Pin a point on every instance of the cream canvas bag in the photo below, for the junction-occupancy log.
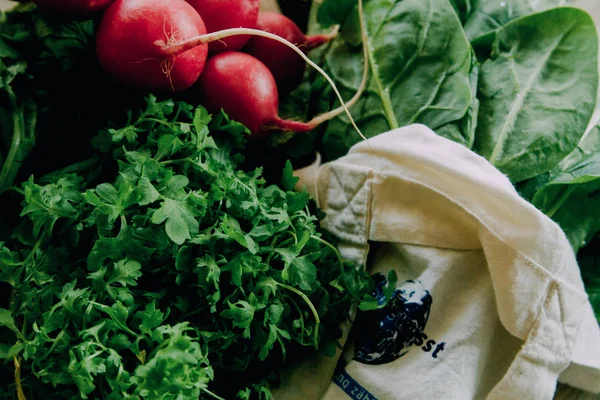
(489, 301)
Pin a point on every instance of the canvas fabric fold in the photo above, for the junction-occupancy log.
(489, 301)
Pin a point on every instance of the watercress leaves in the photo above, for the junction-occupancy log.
(171, 272)
(180, 219)
(7, 320)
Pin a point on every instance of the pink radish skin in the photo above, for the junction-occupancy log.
(134, 46)
(286, 65)
(227, 14)
(245, 89)
(81, 8)
(126, 37)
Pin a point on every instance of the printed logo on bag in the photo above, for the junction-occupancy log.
(386, 334)
(352, 388)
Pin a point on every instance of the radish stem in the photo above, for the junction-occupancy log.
(174, 49)
(315, 41)
(363, 84)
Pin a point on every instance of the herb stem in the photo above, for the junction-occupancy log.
(205, 390)
(271, 252)
(78, 167)
(36, 247)
(238, 180)
(13, 292)
(310, 305)
(184, 45)
(332, 247)
(158, 121)
(297, 307)
(55, 343)
(120, 324)
(177, 161)
(196, 311)
(20, 393)
(11, 167)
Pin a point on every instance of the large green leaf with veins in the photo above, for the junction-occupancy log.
(537, 91)
(483, 16)
(420, 62)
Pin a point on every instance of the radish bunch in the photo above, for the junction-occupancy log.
(178, 45)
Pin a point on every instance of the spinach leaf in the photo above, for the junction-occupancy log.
(483, 16)
(335, 12)
(463, 130)
(589, 143)
(571, 195)
(576, 209)
(536, 100)
(463, 8)
(416, 77)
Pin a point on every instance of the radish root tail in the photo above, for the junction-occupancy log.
(172, 50)
(365, 77)
(166, 66)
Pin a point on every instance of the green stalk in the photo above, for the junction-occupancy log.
(20, 393)
(205, 390)
(332, 247)
(11, 165)
(312, 308)
(13, 292)
(22, 141)
(77, 167)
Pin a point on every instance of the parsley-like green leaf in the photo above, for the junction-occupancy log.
(7, 320)
(165, 270)
(180, 217)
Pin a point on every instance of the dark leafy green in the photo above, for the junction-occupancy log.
(589, 261)
(48, 70)
(175, 274)
(19, 82)
(570, 194)
(408, 61)
(463, 8)
(482, 16)
(531, 77)
(463, 130)
(535, 102)
(335, 13)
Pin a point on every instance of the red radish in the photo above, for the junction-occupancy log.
(77, 7)
(245, 89)
(161, 44)
(227, 14)
(126, 47)
(284, 63)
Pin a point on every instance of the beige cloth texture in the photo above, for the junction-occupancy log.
(505, 295)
